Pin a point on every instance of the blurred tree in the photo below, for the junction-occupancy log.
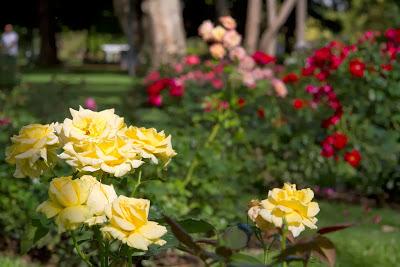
(253, 20)
(165, 25)
(222, 8)
(47, 30)
(129, 16)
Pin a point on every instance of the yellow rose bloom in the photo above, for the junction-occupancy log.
(67, 202)
(33, 150)
(100, 196)
(114, 156)
(218, 33)
(152, 144)
(128, 222)
(88, 125)
(286, 206)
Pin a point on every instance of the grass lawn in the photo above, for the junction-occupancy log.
(367, 243)
(48, 95)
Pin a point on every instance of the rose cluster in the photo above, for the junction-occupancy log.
(95, 144)
(185, 72)
(322, 93)
(225, 43)
(326, 60)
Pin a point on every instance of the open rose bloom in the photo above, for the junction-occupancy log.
(286, 207)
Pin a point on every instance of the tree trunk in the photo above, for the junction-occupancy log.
(271, 17)
(126, 11)
(301, 16)
(166, 30)
(222, 8)
(47, 30)
(269, 37)
(253, 19)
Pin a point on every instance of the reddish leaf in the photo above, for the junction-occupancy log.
(334, 228)
(324, 250)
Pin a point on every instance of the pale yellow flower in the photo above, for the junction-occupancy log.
(152, 144)
(286, 206)
(33, 150)
(228, 22)
(218, 33)
(67, 202)
(91, 126)
(115, 156)
(217, 51)
(128, 222)
(100, 196)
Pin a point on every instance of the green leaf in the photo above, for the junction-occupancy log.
(235, 238)
(240, 259)
(193, 226)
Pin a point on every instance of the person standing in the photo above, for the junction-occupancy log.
(9, 41)
(9, 51)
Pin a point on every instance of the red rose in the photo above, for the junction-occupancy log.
(353, 158)
(290, 78)
(339, 140)
(322, 55)
(357, 68)
(322, 75)
(176, 90)
(5, 121)
(155, 100)
(217, 84)
(298, 103)
(308, 71)
(263, 58)
(159, 85)
(241, 102)
(327, 151)
(261, 113)
(387, 67)
(192, 60)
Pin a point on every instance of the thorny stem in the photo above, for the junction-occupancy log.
(79, 251)
(283, 244)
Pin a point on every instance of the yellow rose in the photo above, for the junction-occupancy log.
(217, 51)
(218, 33)
(151, 143)
(287, 206)
(100, 196)
(128, 222)
(88, 125)
(67, 202)
(33, 150)
(114, 156)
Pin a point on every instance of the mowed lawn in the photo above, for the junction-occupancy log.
(48, 95)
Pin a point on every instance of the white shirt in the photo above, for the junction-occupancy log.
(9, 41)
